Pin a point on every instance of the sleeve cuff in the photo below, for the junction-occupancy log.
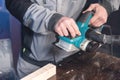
(54, 19)
(107, 6)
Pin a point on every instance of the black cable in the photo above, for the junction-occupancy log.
(111, 45)
(102, 38)
(54, 59)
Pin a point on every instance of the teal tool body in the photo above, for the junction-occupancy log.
(79, 42)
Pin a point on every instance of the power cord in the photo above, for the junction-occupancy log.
(111, 45)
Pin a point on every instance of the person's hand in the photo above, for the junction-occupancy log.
(67, 27)
(100, 16)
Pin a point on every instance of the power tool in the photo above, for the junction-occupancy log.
(80, 42)
(103, 38)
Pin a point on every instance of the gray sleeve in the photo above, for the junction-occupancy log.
(40, 19)
(111, 5)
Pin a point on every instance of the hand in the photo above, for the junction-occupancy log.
(66, 26)
(100, 16)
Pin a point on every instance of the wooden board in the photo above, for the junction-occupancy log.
(43, 73)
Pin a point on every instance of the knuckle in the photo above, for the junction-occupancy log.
(104, 20)
(71, 19)
(72, 31)
(66, 21)
(57, 29)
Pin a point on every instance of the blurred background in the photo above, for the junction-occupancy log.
(10, 28)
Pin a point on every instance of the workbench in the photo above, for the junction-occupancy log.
(89, 66)
(85, 66)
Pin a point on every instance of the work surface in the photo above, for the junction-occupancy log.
(91, 66)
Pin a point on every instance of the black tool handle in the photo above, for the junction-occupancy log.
(85, 16)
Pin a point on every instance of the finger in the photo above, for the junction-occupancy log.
(75, 27)
(71, 30)
(64, 29)
(59, 31)
(94, 18)
(90, 8)
(98, 22)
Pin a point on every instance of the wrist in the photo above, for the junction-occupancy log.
(54, 19)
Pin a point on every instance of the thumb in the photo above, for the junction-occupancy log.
(90, 8)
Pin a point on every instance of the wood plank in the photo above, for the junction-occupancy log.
(43, 73)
